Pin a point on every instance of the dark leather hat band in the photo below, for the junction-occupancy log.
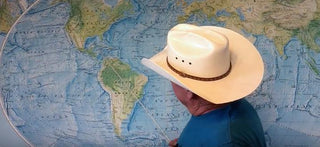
(182, 74)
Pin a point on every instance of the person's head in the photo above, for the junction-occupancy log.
(194, 103)
(213, 63)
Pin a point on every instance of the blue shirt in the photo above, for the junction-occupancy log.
(236, 124)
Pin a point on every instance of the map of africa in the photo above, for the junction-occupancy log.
(70, 71)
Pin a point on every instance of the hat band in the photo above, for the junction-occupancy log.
(182, 74)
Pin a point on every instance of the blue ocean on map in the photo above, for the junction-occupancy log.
(52, 95)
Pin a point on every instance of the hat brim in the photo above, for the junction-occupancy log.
(245, 76)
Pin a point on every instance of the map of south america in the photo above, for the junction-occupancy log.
(124, 86)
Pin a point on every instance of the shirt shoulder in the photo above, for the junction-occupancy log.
(245, 125)
(210, 129)
(234, 125)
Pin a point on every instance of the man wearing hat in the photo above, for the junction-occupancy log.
(211, 70)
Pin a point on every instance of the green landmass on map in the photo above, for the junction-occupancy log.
(313, 65)
(9, 12)
(125, 87)
(309, 34)
(92, 18)
(277, 20)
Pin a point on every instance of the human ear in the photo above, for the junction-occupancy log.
(189, 94)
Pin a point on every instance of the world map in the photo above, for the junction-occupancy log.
(70, 70)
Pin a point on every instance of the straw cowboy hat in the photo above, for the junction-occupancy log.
(215, 63)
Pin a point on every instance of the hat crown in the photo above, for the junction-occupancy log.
(198, 51)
